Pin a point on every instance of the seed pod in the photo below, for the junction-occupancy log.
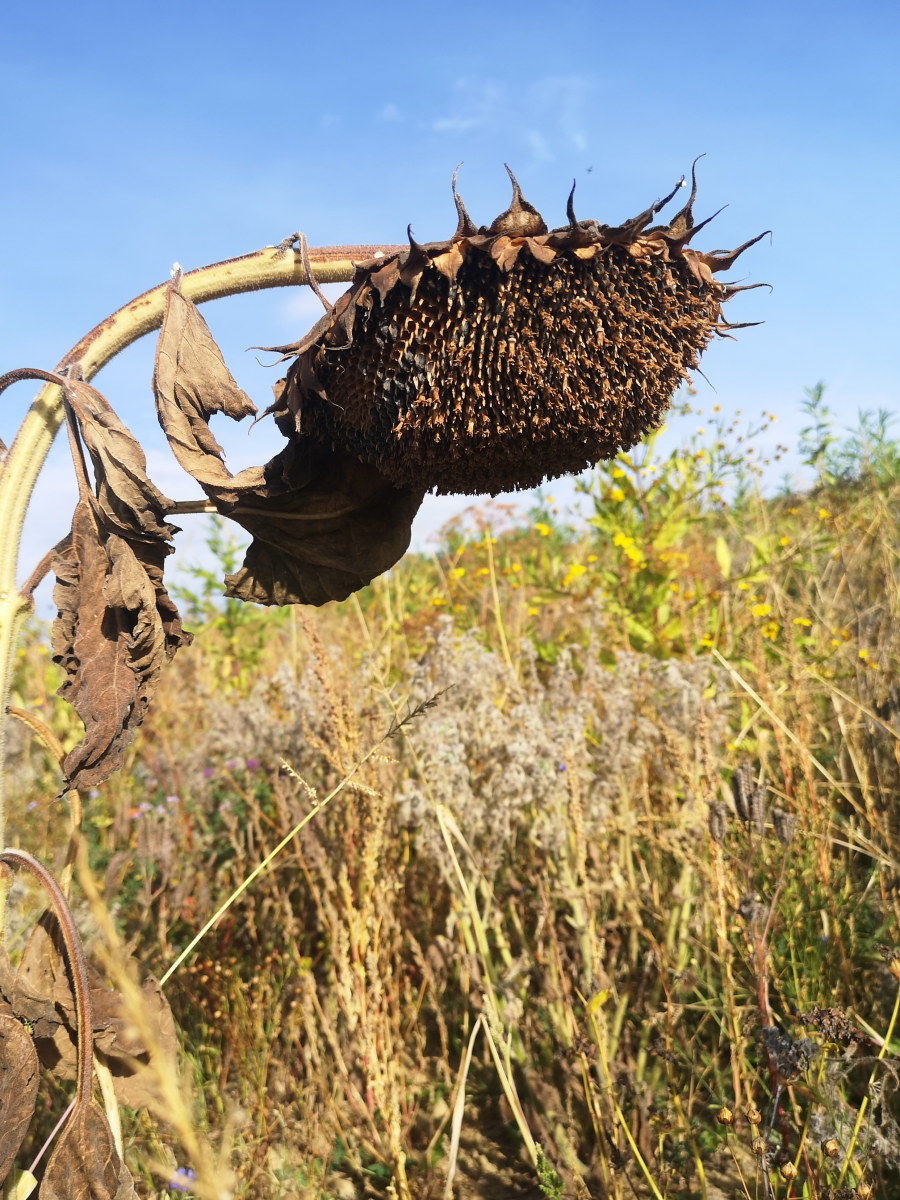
(508, 354)
(718, 821)
(831, 1148)
(758, 807)
(864, 1191)
(725, 1116)
(754, 1116)
(788, 1172)
(759, 1147)
(742, 789)
(785, 825)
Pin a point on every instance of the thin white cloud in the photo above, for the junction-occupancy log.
(550, 113)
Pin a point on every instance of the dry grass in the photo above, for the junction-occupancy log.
(545, 864)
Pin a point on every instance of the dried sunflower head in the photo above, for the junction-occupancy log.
(508, 354)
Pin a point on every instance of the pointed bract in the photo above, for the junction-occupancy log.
(521, 219)
(465, 226)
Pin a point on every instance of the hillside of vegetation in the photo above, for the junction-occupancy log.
(606, 841)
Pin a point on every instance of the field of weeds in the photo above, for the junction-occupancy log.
(595, 892)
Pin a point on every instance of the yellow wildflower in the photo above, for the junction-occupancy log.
(761, 610)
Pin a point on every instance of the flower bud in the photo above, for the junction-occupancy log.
(788, 1172)
(831, 1149)
(725, 1116)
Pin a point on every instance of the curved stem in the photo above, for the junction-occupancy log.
(273, 266)
(83, 1010)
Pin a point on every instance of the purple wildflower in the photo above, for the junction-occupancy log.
(172, 800)
(182, 1179)
(208, 773)
(252, 764)
(30, 807)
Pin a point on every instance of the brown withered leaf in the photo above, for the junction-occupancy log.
(110, 639)
(41, 992)
(191, 382)
(323, 524)
(24, 1000)
(85, 1164)
(328, 525)
(18, 1089)
(128, 502)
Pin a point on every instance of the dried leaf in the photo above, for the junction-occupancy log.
(327, 531)
(25, 1000)
(323, 524)
(41, 992)
(126, 1057)
(18, 1089)
(127, 500)
(110, 637)
(191, 382)
(85, 1165)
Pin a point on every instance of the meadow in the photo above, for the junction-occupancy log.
(598, 891)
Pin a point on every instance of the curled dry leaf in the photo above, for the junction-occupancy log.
(116, 623)
(18, 1088)
(41, 993)
(191, 382)
(128, 503)
(331, 534)
(85, 1164)
(323, 524)
(114, 628)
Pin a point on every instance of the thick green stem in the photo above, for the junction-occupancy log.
(274, 266)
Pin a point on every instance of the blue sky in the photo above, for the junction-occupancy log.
(137, 135)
